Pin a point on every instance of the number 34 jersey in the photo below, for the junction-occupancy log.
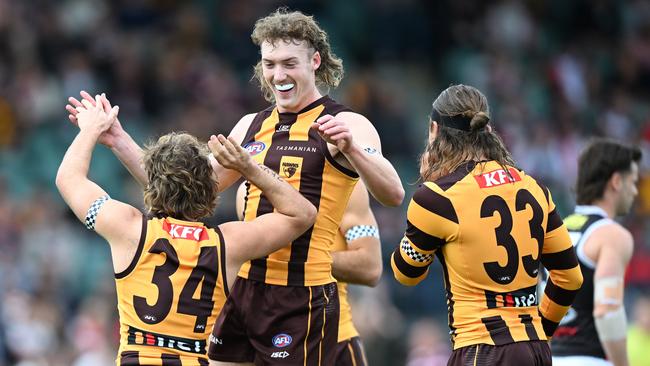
(170, 295)
(490, 228)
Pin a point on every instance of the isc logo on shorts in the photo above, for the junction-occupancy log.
(281, 354)
(282, 340)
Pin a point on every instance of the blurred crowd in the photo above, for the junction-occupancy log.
(555, 72)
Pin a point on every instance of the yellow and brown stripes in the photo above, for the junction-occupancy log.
(562, 260)
(298, 154)
(410, 265)
(349, 352)
(133, 358)
(510, 327)
(498, 330)
(561, 289)
(449, 295)
(428, 199)
(554, 221)
(424, 241)
(319, 345)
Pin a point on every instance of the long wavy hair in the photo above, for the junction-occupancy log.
(452, 147)
(181, 183)
(283, 25)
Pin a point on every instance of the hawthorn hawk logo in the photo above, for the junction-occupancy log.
(289, 169)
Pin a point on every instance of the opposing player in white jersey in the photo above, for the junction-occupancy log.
(594, 330)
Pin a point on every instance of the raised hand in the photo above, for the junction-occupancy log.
(109, 136)
(92, 117)
(334, 131)
(230, 155)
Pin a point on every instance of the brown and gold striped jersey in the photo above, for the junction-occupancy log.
(490, 228)
(170, 295)
(285, 143)
(346, 327)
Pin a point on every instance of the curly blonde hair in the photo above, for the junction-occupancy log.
(452, 147)
(296, 26)
(181, 183)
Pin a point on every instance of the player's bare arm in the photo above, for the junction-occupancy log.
(229, 176)
(130, 153)
(355, 138)
(119, 223)
(115, 138)
(611, 247)
(361, 262)
(267, 233)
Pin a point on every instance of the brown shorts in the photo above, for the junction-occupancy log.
(350, 353)
(269, 325)
(529, 353)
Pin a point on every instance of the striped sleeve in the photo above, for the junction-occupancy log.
(565, 277)
(430, 219)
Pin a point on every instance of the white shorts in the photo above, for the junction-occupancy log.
(579, 361)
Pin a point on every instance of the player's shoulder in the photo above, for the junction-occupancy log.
(242, 125)
(613, 235)
(434, 199)
(614, 231)
(247, 119)
(352, 117)
(534, 185)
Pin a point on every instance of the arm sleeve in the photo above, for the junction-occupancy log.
(565, 278)
(430, 219)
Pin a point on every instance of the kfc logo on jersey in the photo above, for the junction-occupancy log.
(282, 340)
(497, 178)
(255, 147)
(176, 231)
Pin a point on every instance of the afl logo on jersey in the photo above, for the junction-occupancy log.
(282, 340)
(255, 147)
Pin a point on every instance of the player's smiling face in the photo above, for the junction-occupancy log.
(289, 69)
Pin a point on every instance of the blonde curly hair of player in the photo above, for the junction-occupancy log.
(452, 147)
(181, 183)
(296, 26)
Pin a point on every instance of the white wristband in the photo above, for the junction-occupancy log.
(360, 231)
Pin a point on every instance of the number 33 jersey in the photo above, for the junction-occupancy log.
(490, 228)
(170, 295)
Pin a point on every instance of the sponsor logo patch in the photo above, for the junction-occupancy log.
(289, 169)
(255, 147)
(215, 340)
(524, 297)
(176, 231)
(283, 128)
(145, 338)
(282, 340)
(281, 354)
(497, 178)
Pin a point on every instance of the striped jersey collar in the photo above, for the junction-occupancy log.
(309, 107)
(590, 210)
